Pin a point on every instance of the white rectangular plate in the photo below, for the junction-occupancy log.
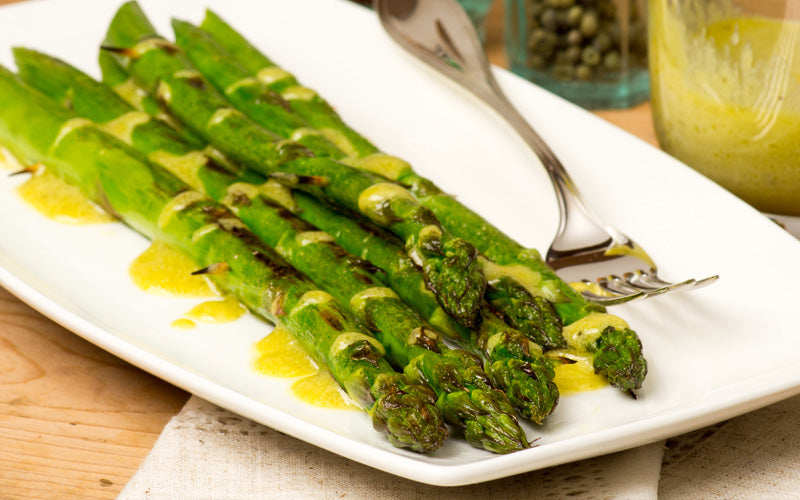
(713, 353)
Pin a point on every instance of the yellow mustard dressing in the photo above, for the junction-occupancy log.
(373, 200)
(571, 378)
(280, 355)
(122, 128)
(726, 100)
(577, 374)
(339, 140)
(587, 329)
(310, 237)
(183, 324)
(217, 311)
(594, 288)
(131, 93)
(388, 166)
(323, 391)
(272, 74)
(62, 202)
(523, 275)
(280, 194)
(244, 82)
(163, 270)
(178, 203)
(298, 93)
(301, 132)
(8, 161)
(186, 166)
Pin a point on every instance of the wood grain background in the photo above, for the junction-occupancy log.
(75, 421)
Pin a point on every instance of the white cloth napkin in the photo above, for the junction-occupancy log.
(754, 456)
(206, 452)
(210, 453)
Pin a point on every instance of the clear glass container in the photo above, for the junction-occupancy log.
(726, 94)
(591, 52)
(477, 11)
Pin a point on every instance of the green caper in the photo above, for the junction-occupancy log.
(583, 72)
(590, 22)
(602, 42)
(542, 42)
(574, 37)
(573, 54)
(549, 19)
(574, 15)
(590, 56)
(563, 71)
(611, 61)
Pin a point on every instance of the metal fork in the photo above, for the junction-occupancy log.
(607, 266)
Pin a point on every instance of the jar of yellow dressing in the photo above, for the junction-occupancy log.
(725, 90)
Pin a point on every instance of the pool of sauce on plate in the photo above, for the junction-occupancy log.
(163, 270)
(217, 311)
(62, 202)
(160, 269)
(577, 376)
(279, 355)
(577, 373)
(51, 196)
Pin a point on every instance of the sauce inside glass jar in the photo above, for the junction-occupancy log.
(725, 89)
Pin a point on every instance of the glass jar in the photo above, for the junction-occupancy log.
(591, 52)
(477, 11)
(726, 94)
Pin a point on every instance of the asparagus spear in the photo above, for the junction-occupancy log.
(492, 242)
(117, 78)
(304, 101)
(616, 352)
(466, 397)
(513, 362)
(449, 264)
(521, 284)
(264, 106)
(158, 205)
(337, 272)
(532, 315)
(464, 393)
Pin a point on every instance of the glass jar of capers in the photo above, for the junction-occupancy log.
(592, 52)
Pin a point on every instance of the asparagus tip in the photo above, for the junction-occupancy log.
(407, 413)
(528, 384)
(455, 277)
(618, 355)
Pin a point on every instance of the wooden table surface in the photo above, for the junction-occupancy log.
(75, 421)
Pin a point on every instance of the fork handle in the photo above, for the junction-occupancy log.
(465, 63)
(576, 217)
